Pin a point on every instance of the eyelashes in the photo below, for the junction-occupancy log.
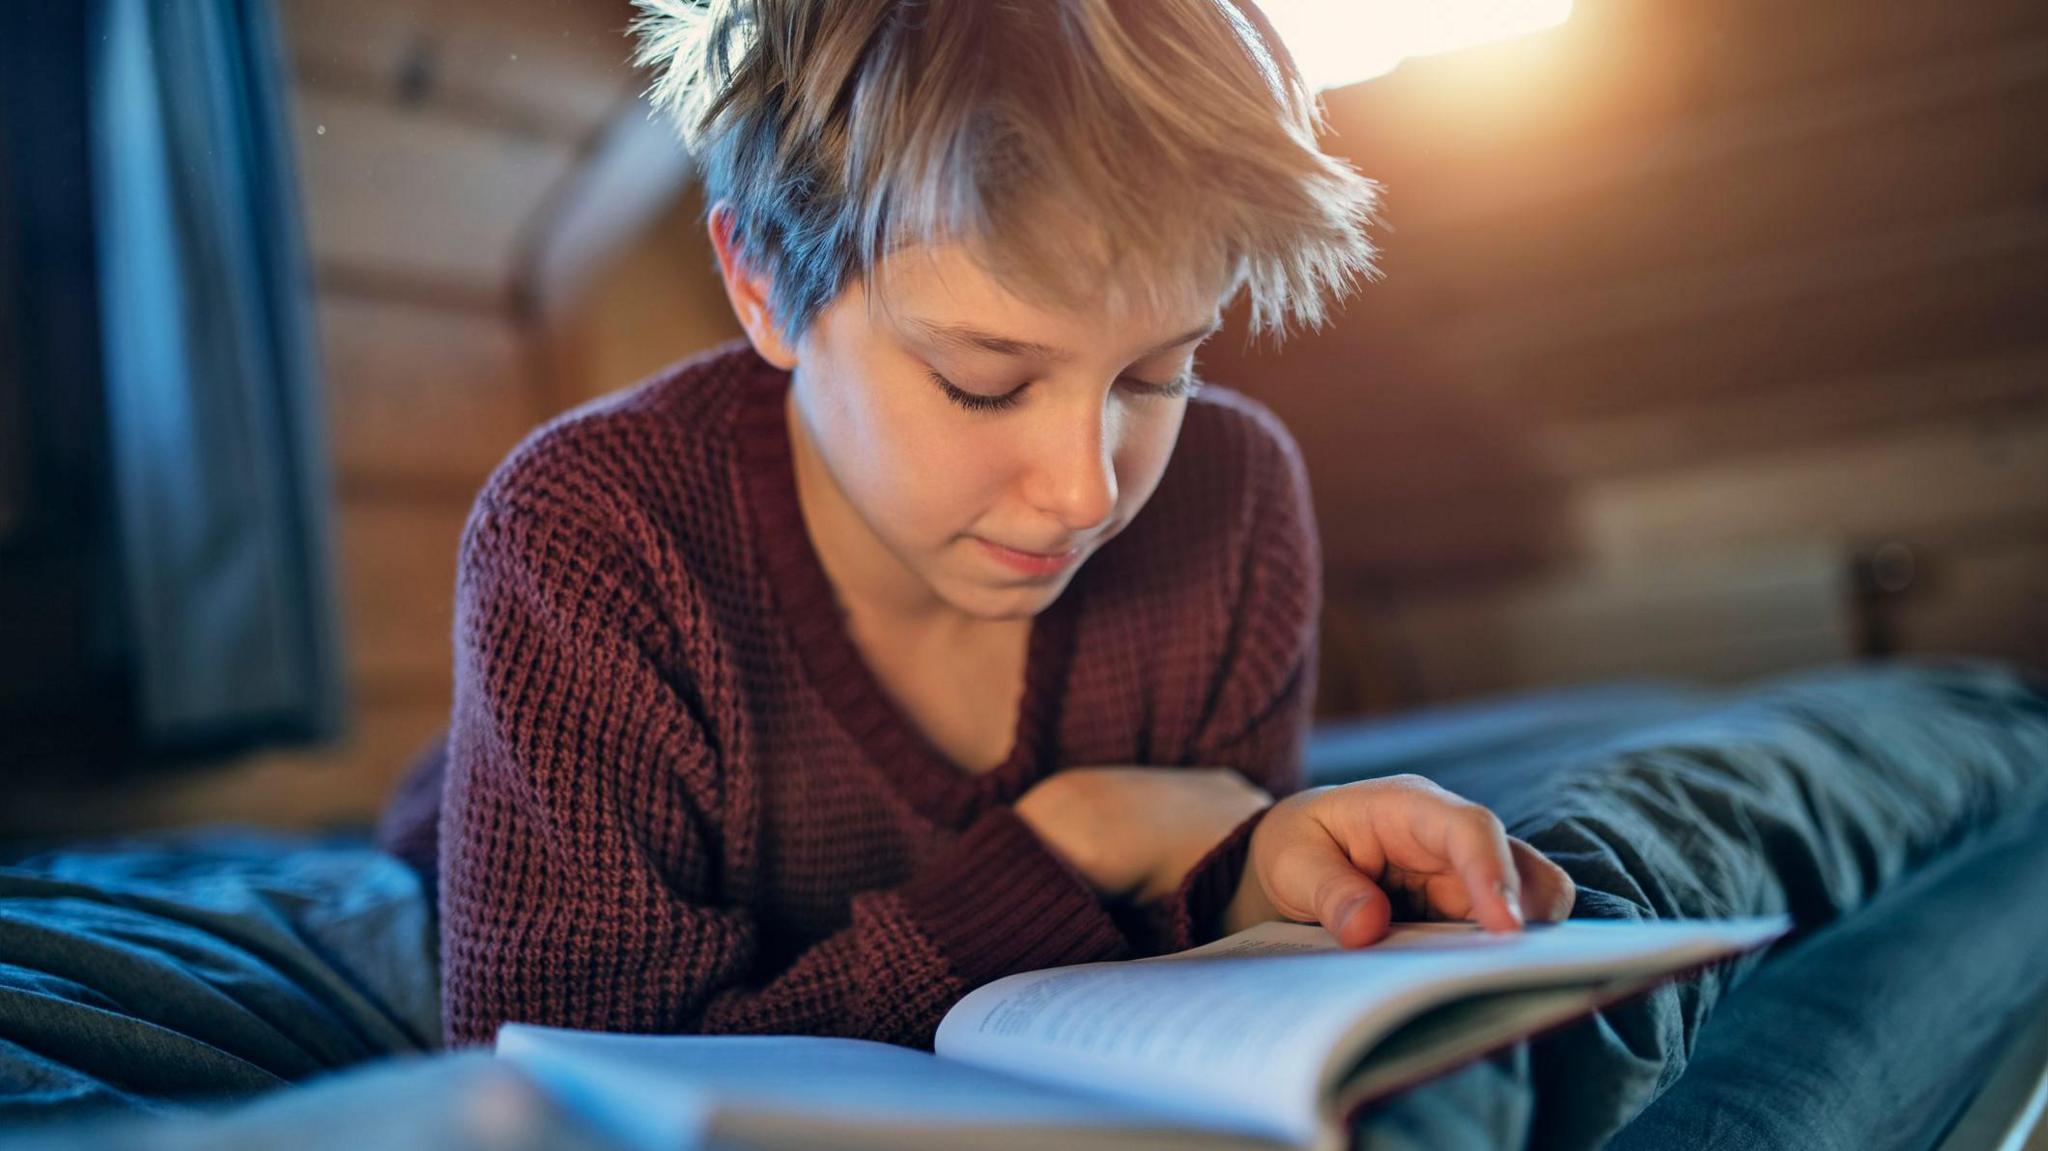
(977, 403)
(1183, 385)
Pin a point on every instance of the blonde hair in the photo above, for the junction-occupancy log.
(1177, 131)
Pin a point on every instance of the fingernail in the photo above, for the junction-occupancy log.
(1346, 910)
(1513, 898)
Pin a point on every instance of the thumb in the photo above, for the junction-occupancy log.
(1315, 879)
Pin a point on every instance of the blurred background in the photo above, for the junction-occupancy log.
(1712, 341)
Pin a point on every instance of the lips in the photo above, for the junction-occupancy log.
(1041, 553)
(1035, 563)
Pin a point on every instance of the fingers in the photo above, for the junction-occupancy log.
(1357, 914)
(1548, 894)
(1477, 849)
(1328, 855)
(1311, 878)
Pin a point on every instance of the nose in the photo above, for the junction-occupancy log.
(1073, 473)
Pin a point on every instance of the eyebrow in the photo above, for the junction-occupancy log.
(962, 335)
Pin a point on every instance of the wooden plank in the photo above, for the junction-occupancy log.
(398, 584)
(1761, 46)
(1903, 150)
(635, 175)
(1718, 622)
(414, 195)
(1376, 538)
(1936, 484)
(659, 301)
(420, 394)
(1918, 484)
(1941, 291)
(1655, 302)
(1792, 417)
(1420, 462)
(342, 785)
(1631, 108)
(1988, 601)
(522, 67)
(1358, 671)
(400, 286)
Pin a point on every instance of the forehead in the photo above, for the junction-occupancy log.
(947, 295)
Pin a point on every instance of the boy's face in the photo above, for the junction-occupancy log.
(1063, 425)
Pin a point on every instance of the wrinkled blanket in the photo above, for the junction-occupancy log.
(146, 974)
(142, 973)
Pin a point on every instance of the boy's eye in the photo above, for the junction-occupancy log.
(1182, 385)
(974, 402)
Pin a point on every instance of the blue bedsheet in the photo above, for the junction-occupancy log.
(144, 975)
(138, 974)
(1873, 1034)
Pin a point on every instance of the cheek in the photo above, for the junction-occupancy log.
(1144, 448)
(922, 474)
(858, 439)
(960, 471)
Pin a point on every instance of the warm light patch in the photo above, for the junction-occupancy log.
(1339, 42)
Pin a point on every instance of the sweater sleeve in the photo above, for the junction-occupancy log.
(585, 809)
(1266, 698)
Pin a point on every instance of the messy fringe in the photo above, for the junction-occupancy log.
(842, 131)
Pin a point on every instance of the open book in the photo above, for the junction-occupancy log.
(1273, 1037)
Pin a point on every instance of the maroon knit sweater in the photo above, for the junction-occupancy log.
(675, 799)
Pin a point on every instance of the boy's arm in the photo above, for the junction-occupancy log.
(1216, 898)
(585, 806)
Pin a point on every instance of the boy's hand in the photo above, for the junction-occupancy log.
(1346, 855)
(1135, 832)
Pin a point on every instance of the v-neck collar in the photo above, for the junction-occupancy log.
(939, 788)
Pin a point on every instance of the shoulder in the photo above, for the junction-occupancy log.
(1217, 582)
(637, 448)
(1222, 415)
(646, 474)
(1253, 462)
(622, 507)
(1234, 494)
(1227, 544)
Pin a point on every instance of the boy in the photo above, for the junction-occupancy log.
(940, 630)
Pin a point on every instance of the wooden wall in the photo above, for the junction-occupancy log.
(434, 142)
(656, 301)
(1710, 341)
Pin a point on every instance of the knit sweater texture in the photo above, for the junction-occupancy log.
(674, 798)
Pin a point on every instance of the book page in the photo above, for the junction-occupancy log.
(1248, 1024)
(1274, 937)
(672, 1091)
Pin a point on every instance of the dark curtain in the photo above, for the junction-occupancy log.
(219, 473)
(64, 683)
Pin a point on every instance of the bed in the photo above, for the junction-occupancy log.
(231, 988)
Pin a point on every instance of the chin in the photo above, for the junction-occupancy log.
(1014, 602)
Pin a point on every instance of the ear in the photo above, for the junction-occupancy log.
(749, 294)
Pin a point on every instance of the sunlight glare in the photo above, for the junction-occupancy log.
(1339, 42)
